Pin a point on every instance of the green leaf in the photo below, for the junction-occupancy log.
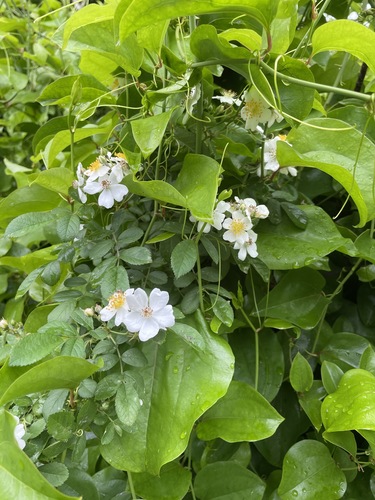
(368, 360)
(352, 406)
(149, 132)
(284, 246)
(241, 415)
(34, 347)
(296, 298)
(330, 146)
(283, 26)
(183, 258)
(67, 226)
(248, 38)
(189, 335)
(19, 478)
(136, 256)
(228, 481)
(331, 376)
(58, 180)
(365, 245)
(301, 375)
(55, 472)
(311, 403)
(345, 349)
(156, 190)
(222, 309)
(309, 472)
(172, 483)
(127, 402)
(207, 45)
(31, 222)
(60, 91)
(60, 425)
(198, 182)
(180, 384)
(271, 361)
(114, 279)
(347, 36)
(131, 16)
(50, 275)
(58, 373)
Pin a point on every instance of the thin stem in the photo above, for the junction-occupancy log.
(318, 86)
(256, 333)
(131, 485)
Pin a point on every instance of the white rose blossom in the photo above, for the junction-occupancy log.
(148, 315)
(228, 97)
(256, 110)
(270, 160)
(218, 218)
(237, 228)
(117, 307)
(109, 189)
(248, 247)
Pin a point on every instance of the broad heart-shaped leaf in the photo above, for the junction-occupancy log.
(241, 415)
(297, 298)
(57, 373)
(19, 478)
(284, 246)
(60, 91)
(198, 182)
(180, 383)
(347, 36)
(310, 473)
(248, 38)
(207, 45)
(324, 146)
(283, 26)
(132, 15)
(271, 360)
(352, 406)
(195, 187)
(173, 483)
(228, 481)
(149, 132)
(30, 261)
(296, 100)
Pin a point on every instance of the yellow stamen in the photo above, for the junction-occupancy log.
(237, 227)
(95, 165)
(117, 300)
(121, 155)
(282, 137)
(254, 108)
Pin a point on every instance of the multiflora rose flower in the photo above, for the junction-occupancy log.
(271, 163)
(150, 314)
(256, 110)
(104, 176)
(140, 313)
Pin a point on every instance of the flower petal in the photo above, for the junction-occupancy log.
(138, 300)
(158, 299)
(106, 199)
(149, 329)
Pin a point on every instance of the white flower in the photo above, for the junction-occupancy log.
(3, 324)
(251, 209)
(256, 110)
(79, 183)
(109, 189)
(237, 228)
(19, 432)
(96, 169)
(248, 247)
(148, 315)
(117, 306)
(270, 160)
(228, 97)
(218, 218)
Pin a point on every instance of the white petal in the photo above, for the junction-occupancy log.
(107, 313)
(138, 300)
(106, 199)
(165, 317)
(149, 329)
(158, 299)
(134, 321)
(119, 191)
(93, 187)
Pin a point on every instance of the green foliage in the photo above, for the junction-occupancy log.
(186, 250)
